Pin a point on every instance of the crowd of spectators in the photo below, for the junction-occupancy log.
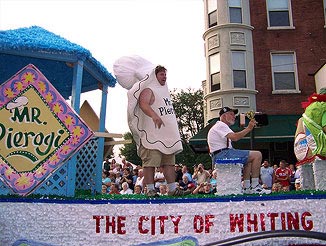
(281, 177)
(124, 177)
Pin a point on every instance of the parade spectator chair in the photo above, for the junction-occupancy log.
(229, 173)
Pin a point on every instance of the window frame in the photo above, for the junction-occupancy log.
(241, 12)
(289, 10)
(211, 12)
(217, 86)
(241, 70)
(295, 72)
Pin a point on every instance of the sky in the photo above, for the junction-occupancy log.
(165, 32)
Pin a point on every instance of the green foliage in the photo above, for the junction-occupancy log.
(188, 107)
(190, 159)
(130, 150)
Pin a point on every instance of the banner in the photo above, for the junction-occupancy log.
(136, 222)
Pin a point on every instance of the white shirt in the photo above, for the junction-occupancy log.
(216, 137)
(126, 192)
(139, 181)
(159, 175)
(266, 175)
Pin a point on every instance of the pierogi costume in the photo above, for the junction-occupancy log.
(165, 139)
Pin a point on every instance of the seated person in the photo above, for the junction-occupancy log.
(114, 189)
(203, 188)
(213, 180)
(277, 187)
(186, 184)
(127, 177)
(106, 181)
(138, 190)
(125, 189)
(104, 189)
(163, 190)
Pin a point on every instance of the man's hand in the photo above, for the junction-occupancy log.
(146, 99)
(158, 122)
(252, 124)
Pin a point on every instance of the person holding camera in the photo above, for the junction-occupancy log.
(203, 188)
(127, 177)
(201, 175)
(220, 138)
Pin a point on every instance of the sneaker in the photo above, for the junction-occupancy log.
(247, 191)
(260, 190)
(152, 193)
(179, 192)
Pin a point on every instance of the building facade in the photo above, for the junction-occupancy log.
(261, 55)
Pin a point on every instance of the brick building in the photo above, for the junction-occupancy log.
(262, 55)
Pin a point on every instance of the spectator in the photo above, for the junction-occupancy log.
(178, 173)
(159, 178)
(186, 184)
(118, 168)
(127, 177)
(275, 166)
(282, 175)
(117, 178)
(138, 190)
(134, 176)
(201, 175)
(203, 188)
(277, 187)
(297, 184)
(297, 174)
(106, 181)
(163, 190)
(213, 180)
(185, 171)
(125, 189)
(106, 165)
(114, 189)
(140, 178)
(104, 189)
(113, 164)
(266, 175)
(125, 163)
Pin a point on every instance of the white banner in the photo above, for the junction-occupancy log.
(137, 222)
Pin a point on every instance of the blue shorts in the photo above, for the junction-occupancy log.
(234, 155)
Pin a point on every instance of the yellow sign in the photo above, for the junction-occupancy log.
(38, 130)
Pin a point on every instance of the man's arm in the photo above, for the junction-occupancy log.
(146, 99)
(235, 136)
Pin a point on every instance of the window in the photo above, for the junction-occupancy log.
(214, 71)
(279, 14)
(235, 11)
(239, 69)
(284, 71)
(212, 12)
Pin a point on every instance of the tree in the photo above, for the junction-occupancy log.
(130, 150)
(188, 107)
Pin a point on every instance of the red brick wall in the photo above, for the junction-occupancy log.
(308, 40)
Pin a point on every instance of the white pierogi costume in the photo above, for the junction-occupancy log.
(165, 139)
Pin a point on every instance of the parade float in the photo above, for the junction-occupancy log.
(51, 163)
